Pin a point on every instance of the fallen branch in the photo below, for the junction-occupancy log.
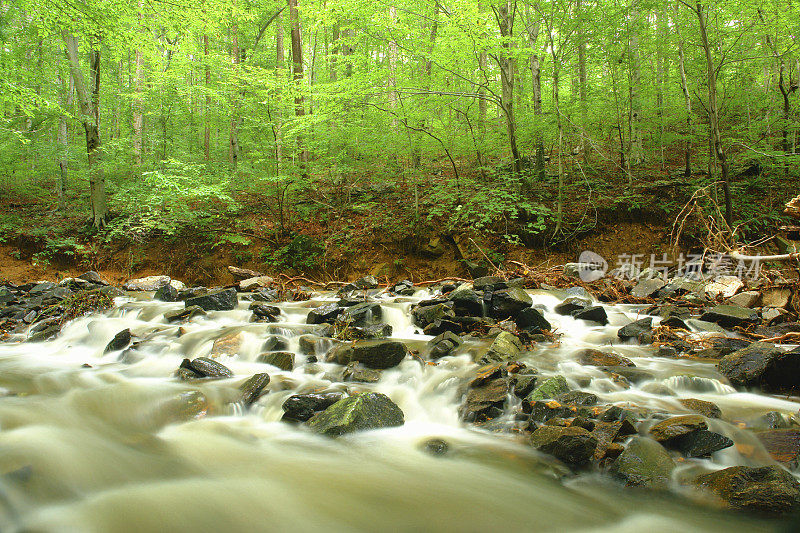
(435, 281)
(795, 256)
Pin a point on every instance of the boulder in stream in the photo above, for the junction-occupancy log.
(509, 303)
(203, 367)
(224, 300)
(572, 305)
(252, 389)
(282, 360)
(301, 407)
(707, 409)
(768, 489)
(596, 313)
(532, 320)
(376, 354)
(506, 347)
(167, 293)
(592, 357)
(149, 283)
(369, 410)
(572, 445)
(783, 445)
(443, 344)
(120, 341)
(729, 316)
(324, 313)
(644, 463)
(762, 364)
(636, 328)
(677, 426)
(549, 388)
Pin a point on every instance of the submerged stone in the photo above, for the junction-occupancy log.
(550, 388)
(252, 389)
(767, 489)
(644, 463)
(572, 445)
(763, 365)
(120, 341)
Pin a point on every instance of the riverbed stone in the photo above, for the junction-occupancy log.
(324, 313)
(532, 320)
(301, 407)
(747, 299)
(769, 490)
(783, 445)
(572, 305)
(166, 293)
(509, 303)
(646, 288)
(149, 283)
(355, 371)
(596, 313)
(576, 397)
(723, 287)
(282, 360)
(254, 283)
(592, 357)
(228, 345)
(775, 296)
(762, 364)
(506, 347)
(428, 314)
(485, 400)
(466, 301)
(252, 389)
(376, 354)
(120, 341)
(549, 388)
(184, 314)
(707, 409)
(644, 463)
(369, 410)
(635, 328)
(207, 368)
(443, 345)
(729, 316)
(572, 445)
(224, 300)
(677, 426)
(701, 443)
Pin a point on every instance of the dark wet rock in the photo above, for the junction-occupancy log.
(485, 401)
(701, 443)
(224, 300)
(301, 407)
(42, 287)
(149, 283)
(636, 328)
(577, 397)
(680, 286)
(362, 284)
(167, 293)
(310, 344)
(263, 312)
(282, 360)
(590, 356)
(489, 282)
(523, 384)
(276, 343)
(6, 296)
(325, 313)
(762, 365)
(572, 445)
(549, 388)
(532, 320)
(572, 305)
(428, 314)
(487, 373)
(375, 331)
(252, 389)
(377, 354)
(436, 447)
(540, 411)
(207, 368)
(506, 347)
(443, 345)
(265, 295)
(729, 316)
(44, 330)
(608, 433)
(677, 426)
(770, 420)
(187, 313)
(644, 463)
(783, 445)
(593, 314)
(674, 323)
(404, 288)
(466, 302)
(768, 489)
(355, 371)
(361, 315)
(369, 410)
(615, 413)
(707, 409)
(508, 303)
(647, 287)
(120, 341)
(629, 373)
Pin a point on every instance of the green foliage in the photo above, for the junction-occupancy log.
(302, 254)
(165, 201)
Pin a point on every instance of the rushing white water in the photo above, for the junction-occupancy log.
(124, 446)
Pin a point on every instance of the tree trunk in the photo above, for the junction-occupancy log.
(297, 76)
(506, 63)
(536, 79)
(392, 59)
(280, 61)
(90, 117)
(687, 171)
(138, 118)
(582, 79)
(63, 143)
(416, 156)
(233, 149)
(637, 150)
(207, 111)
(713, 113)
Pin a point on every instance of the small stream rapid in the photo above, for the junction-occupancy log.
(99, 442)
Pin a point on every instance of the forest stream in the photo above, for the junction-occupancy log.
(94, 438)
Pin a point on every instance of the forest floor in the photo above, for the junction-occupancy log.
(426, 230)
